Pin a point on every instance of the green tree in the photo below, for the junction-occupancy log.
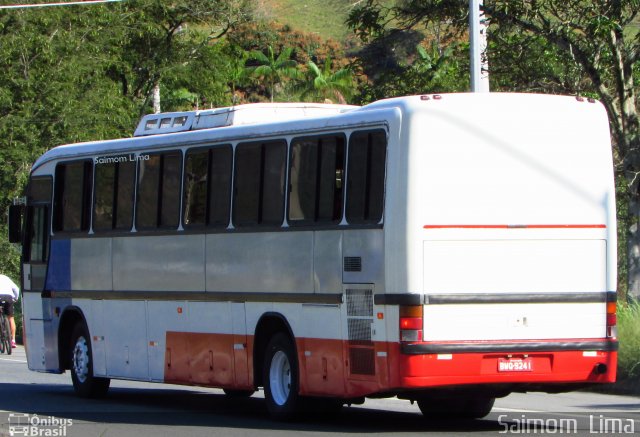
(321, 84)
(274, 69)
(156, 38)
(599, 40)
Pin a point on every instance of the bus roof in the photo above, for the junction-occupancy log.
(171, 122)
(257, 120)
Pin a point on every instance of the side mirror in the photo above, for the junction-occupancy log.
(15, 223)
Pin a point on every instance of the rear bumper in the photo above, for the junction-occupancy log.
(580, 362)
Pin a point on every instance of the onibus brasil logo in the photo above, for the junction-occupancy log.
(33, 425)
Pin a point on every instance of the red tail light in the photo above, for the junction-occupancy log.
(411, 323)
(612, 320)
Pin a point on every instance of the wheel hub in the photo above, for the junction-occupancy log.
(280, 378)
(80, 359)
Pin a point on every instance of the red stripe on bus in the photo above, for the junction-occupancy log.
(585, 226)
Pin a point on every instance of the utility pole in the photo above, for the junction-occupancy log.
(478, 48)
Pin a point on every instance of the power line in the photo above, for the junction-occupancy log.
(44, 5)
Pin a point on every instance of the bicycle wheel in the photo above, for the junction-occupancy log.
(2, 334)
(6, 335)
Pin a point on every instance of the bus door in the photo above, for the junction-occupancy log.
(38, 313)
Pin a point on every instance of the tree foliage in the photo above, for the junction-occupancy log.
(323, 83)
(272, 68)
(573, 47)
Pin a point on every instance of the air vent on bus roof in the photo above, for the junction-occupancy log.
(171, 122)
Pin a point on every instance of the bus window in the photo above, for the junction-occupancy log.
(220, 189)
(72, 196)
(171, 178)
(207, 186)
(113, 201)
(316, 167)
(158, 201)
(365, 177)
(124, 195)
(259, 182)
(196, 174)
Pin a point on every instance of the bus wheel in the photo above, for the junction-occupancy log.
(84, 383)
(280, 376)
(459, 407)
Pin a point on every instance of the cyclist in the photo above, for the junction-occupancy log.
(9, 293)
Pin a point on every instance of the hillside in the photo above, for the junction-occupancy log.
(326, 18)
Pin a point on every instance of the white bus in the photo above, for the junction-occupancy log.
(447, 249)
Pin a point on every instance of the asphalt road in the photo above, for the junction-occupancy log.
(44, 405)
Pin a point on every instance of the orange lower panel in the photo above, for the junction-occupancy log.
(205, 359)
(340, 369)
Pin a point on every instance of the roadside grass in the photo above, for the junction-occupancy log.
(325, 18)
(629, 352)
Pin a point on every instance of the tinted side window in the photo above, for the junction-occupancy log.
(259, 183)
(196, 178)
(207, 186)
(365, 177)
(104, 197)
(124, 195)
(158, 200)
(113, 200)
(316, 173)
(220, 189)
(72, 198)
(170, 189)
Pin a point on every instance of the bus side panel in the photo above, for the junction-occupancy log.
(159, 263)
(163, 317)
(91, 267)
(126, 339)
(322, 358)
(269, 262)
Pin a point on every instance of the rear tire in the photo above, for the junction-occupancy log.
(280, 376)
(81, 362)
(456, 407)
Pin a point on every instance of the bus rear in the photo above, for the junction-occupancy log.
(510, 248)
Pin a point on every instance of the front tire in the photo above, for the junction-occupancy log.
(81, 363)
(280, 376)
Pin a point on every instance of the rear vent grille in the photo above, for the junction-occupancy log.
(360, 303)
(360, 323)
(362, 361)
(352, 264)
(359, 331)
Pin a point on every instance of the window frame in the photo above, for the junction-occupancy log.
(315, 222)
(367, 195)
(159, 226)
(58, 213)
(210, 149)
(115, 200)
(260, 223)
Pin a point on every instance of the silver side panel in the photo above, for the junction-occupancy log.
(279, 262)
(327, 261)
(91, 267)
(159, 263)
(368, 244)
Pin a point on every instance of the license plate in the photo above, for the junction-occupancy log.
(515, 365)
